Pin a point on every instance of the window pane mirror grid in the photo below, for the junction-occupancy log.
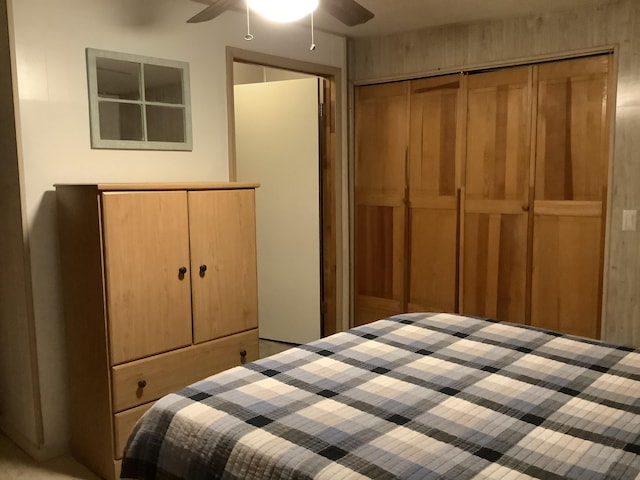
(120, 121)
(138, 102)
(163, 84)
(118, 79)
(165, 123)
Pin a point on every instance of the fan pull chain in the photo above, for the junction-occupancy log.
(313, 44)
(248, 36)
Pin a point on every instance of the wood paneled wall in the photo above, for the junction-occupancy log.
(508, 41)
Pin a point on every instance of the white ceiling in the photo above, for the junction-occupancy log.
(392, 16)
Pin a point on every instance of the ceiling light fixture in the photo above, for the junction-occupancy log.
(283, 10)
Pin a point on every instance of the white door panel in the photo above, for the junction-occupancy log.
(277, 145)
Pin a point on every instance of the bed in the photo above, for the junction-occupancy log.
(414, 396)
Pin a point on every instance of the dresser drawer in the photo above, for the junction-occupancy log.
(123, 424)
(146, 380)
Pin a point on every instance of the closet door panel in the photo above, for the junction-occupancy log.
(572, 152)
(566, 274)
(572, 130)
(433, 147)
(496, 199)
(498, 135)
(381, 139)
(433, 272)
(223, 241)
(495, 265)
(433, 202)
(146, 242)
(380, 262)
(381, 157)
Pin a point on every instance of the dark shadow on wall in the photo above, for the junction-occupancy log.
(49, 318)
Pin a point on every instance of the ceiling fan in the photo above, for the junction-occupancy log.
(348, 12)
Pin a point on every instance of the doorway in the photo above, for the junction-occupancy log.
(327, 304)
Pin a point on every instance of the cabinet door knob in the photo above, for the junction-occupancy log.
(181, 272)
(142, 383)
(243, 356)
(203, 268)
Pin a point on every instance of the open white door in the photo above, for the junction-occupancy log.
(277, 145)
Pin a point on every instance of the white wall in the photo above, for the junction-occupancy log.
(50, 38)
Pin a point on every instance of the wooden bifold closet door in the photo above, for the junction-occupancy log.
(571, 165)
(432, 251)
(381, 146)
(485, 193)
(407, 156)
(496, 200)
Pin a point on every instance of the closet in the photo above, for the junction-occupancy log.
(160, 291)
(500, 184)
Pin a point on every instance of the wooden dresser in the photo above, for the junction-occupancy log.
(160, 291)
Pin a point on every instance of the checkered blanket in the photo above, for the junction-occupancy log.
(419, 396)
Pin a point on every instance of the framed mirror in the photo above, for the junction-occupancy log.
(138, 102)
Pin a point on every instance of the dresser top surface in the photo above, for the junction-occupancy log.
(164, 186)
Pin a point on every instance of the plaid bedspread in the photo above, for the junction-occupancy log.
(419, 396)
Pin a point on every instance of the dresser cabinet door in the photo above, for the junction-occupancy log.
(146, 245)
(223, 262)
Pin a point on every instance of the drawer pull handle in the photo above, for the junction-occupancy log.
(181, 272)
(203, 268)
(243, 356)
(142, 383)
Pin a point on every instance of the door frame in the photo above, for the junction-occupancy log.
(330, 166)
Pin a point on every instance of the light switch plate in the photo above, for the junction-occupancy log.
(629, 220)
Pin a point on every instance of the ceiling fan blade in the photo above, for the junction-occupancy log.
(213, 10)
(348, 12)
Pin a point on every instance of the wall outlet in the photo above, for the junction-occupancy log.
(629, 220)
